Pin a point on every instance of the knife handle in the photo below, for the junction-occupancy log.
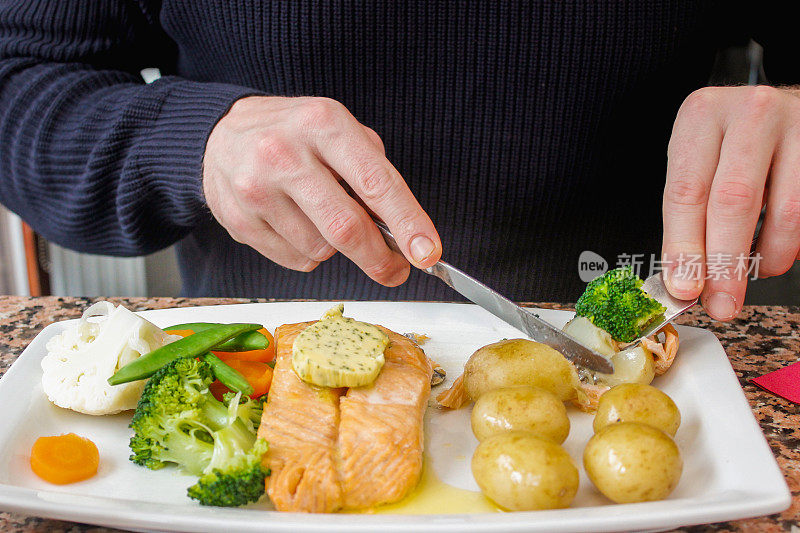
(433, 270)
(387, 236)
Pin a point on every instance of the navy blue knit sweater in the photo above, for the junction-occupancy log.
(529, 131)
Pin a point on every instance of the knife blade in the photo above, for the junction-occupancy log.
(510, 313)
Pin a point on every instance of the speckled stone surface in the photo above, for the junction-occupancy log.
(762, 339)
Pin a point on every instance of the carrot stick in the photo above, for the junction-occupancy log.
(181, 332)
(266, 355)
(258, 374)
(251, 364)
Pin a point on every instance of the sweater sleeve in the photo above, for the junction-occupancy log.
(90, 156)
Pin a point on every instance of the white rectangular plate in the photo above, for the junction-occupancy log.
(729, 471)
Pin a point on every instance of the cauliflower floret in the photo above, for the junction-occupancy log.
(80, 360)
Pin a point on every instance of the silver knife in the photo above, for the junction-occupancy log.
(509, 312)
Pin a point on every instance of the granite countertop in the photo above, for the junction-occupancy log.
(762, 339)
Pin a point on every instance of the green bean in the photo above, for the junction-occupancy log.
(245, 342)
(191, 346)
(230, 377)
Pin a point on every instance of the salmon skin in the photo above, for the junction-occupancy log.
(345, 449)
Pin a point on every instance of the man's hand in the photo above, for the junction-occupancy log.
(271, 177)
(733, 150)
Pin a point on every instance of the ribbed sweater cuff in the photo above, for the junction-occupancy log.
(172, 155)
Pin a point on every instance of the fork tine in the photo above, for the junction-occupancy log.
(654, 286)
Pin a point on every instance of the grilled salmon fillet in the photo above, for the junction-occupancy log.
(334, 449)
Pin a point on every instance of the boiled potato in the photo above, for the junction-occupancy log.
(632, 462)
(599, 340)
(513, 362)
(634, 365)
(520, 408)
(634, 402)
(522, 472)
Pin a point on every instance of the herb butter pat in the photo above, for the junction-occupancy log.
(339, 352)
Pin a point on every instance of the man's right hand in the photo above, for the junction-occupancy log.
(271, 177)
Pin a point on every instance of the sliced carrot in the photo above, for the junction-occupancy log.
(259, 375)
(64, 459)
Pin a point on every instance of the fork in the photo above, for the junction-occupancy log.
(655, 287)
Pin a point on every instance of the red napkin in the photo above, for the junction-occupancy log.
(784, 382)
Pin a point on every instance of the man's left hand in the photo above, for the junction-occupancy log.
(733, 150)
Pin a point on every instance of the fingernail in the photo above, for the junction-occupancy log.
(683, 279)
(421, 248)
(722, 305)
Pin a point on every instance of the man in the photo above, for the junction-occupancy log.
(524, 132)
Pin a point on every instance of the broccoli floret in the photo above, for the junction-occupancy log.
(179, 421)
(235, 477)
(177, 418)
(174, 418)
(249, 410)
(616, 303)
